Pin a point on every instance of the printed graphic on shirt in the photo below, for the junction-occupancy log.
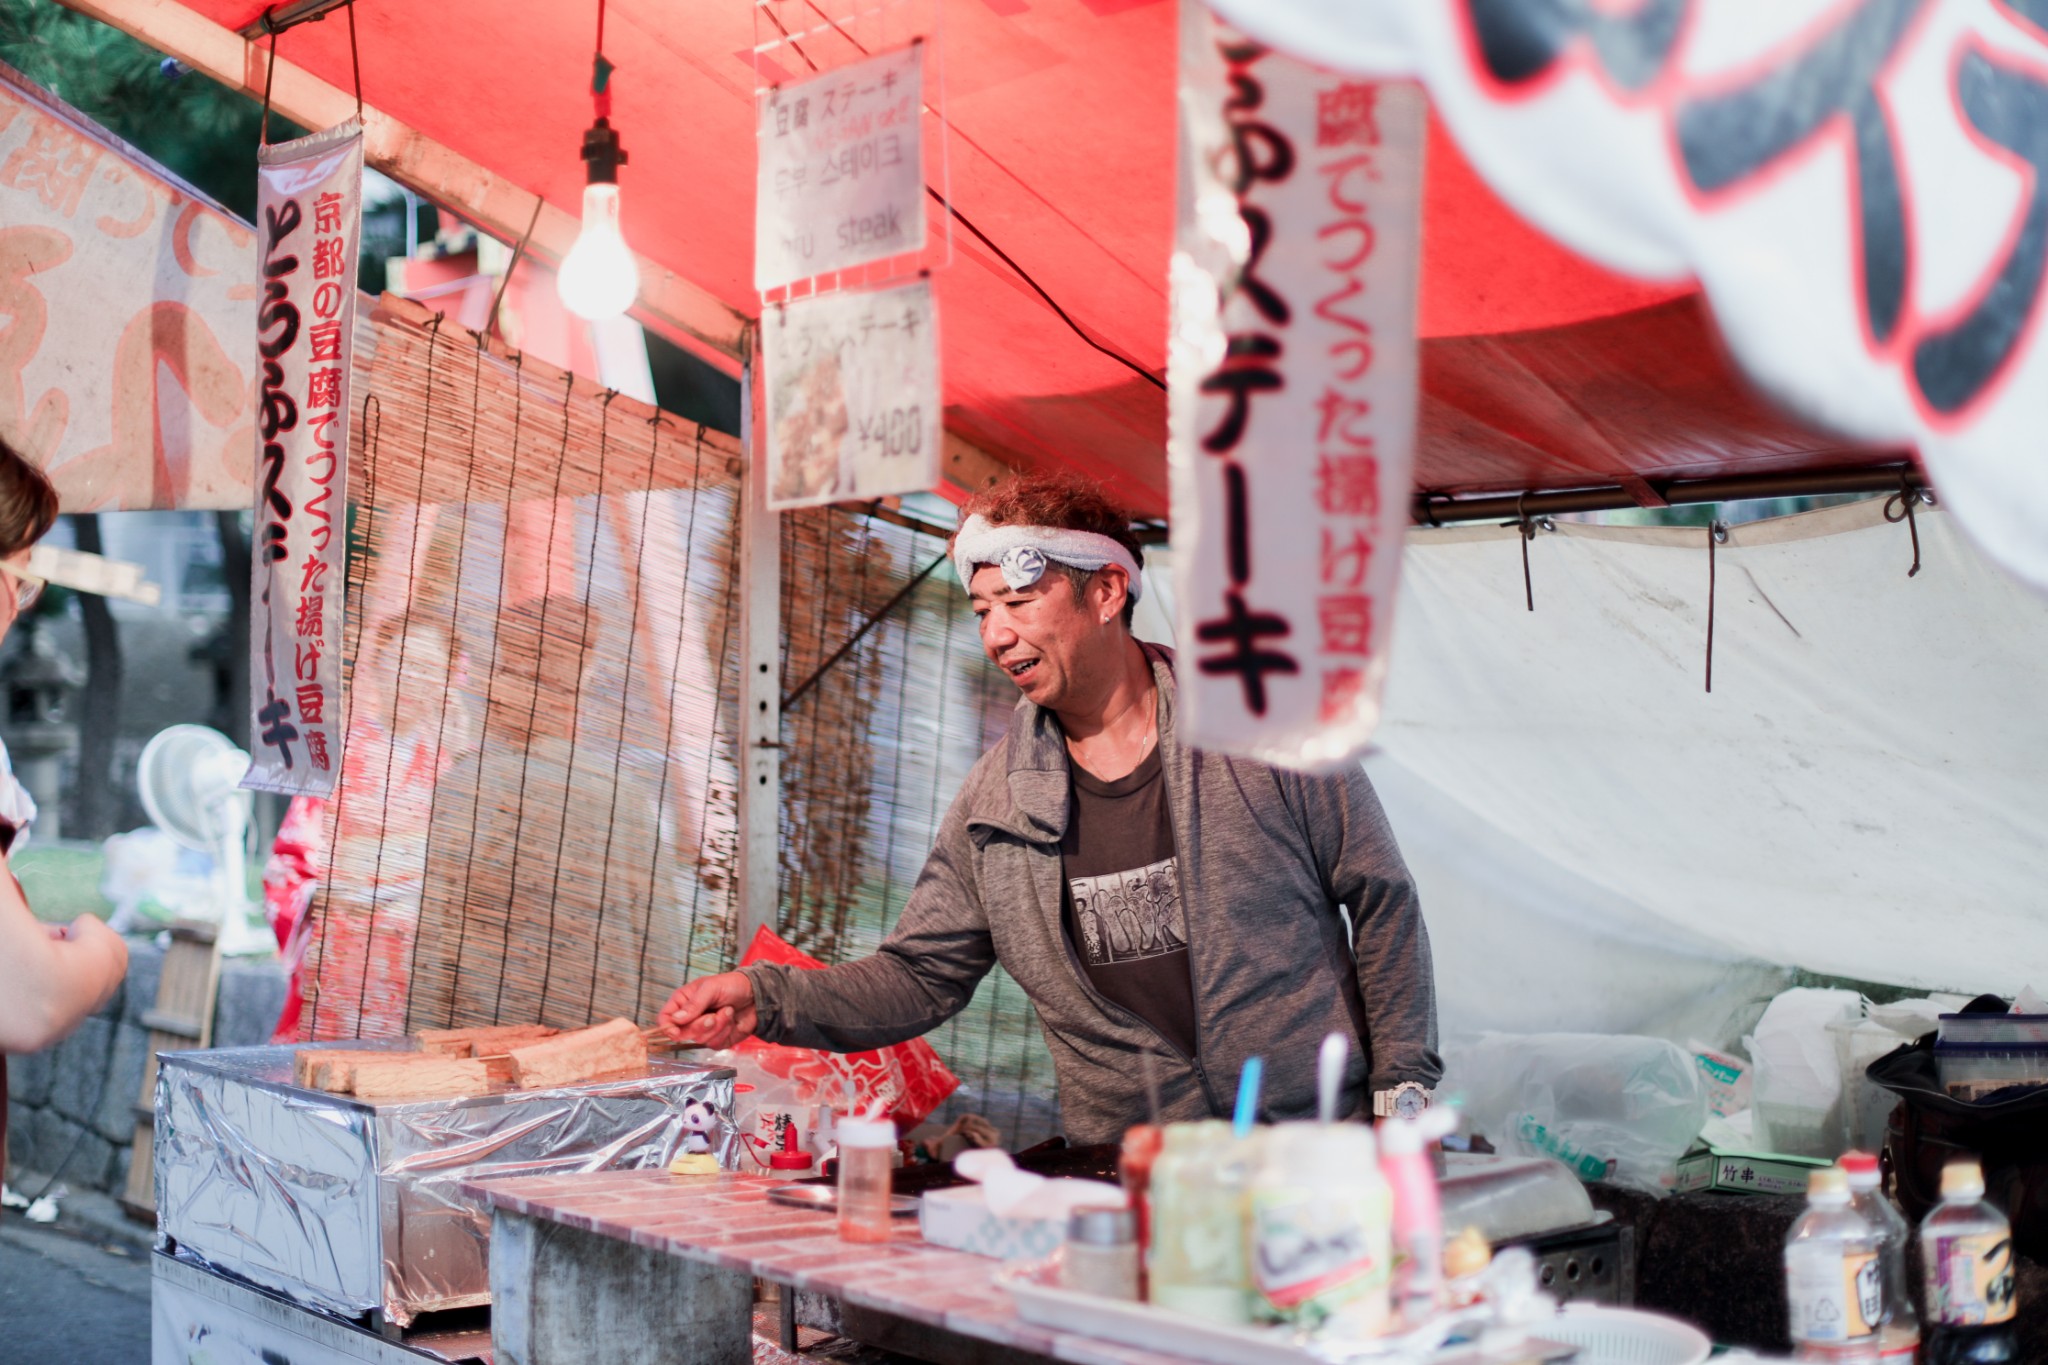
(1129, 916)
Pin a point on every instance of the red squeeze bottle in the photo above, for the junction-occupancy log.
(791, 1157)
(1134, 1169)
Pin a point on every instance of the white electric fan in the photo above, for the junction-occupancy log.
(190, 781)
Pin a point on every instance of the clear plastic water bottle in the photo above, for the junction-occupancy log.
(1966, 1246)
(1899, 1339)
(1834, 1280)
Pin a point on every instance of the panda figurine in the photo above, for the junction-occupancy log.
(695, 1156)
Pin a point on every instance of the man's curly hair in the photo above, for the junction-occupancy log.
(1063, 503)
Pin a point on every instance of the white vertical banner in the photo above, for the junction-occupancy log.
(852, 396)
(309, 218)
(1293, 389)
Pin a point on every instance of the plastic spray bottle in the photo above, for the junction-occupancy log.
(1418, 1214)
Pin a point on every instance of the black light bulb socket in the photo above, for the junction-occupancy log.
(602, 155)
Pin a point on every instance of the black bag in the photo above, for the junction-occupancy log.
(1929, 1128)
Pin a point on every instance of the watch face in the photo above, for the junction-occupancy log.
(1410, 1100)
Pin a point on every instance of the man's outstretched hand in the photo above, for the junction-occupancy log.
(713, 1011)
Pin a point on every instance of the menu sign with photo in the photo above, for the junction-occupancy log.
(852, 392)
(841, 169)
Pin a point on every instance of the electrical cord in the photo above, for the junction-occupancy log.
(1133, 366)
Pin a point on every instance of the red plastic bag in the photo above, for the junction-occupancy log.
(909, 1080)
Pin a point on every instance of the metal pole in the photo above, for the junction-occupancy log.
(760, 727)
(1441, 509)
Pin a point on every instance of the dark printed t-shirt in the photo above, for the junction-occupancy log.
(1121, 909)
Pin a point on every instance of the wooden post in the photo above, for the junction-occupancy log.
(182, 1019)
(760, 730)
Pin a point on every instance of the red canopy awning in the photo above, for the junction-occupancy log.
(1540, 370)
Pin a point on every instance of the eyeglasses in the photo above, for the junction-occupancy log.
(27, 588)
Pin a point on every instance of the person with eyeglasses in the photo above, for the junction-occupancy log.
(52, 976)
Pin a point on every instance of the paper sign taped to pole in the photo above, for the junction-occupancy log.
(841, 169)
(1292, 378)
(309, 221)
(852, 396)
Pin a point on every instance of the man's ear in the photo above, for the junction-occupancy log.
(1109, 590)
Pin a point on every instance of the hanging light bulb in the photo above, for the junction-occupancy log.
(599, 279)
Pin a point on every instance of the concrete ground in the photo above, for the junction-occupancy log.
(72, 1294)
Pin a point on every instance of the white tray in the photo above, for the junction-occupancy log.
(1143, 1326)
(1600, 1336)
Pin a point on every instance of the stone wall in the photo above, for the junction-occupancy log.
(71, 1108)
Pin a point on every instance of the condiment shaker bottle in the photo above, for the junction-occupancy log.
(1101, 1255)
(867, 1149)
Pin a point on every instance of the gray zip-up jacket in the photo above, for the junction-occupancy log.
(1266, 858)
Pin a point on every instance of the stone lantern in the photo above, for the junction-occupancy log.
(36, 681)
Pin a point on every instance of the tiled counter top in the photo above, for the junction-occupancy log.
(726, 1225)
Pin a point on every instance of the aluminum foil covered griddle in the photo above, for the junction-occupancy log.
(353, 1206)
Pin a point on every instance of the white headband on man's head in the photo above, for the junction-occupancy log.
(1021, 551)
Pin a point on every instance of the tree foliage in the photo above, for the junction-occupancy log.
(196, 127)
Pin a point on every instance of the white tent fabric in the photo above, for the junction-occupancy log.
(1602, 844)
(1524, 944)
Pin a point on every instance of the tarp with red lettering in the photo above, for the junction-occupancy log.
(125, 311)
(309, 224)
(1861, 188)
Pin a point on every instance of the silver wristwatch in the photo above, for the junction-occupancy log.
(1404, 1101)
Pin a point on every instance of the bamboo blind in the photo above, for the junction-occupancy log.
(536, 817)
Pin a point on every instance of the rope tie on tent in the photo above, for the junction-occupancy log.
(1529, 526)
(267, 21)
(1904, 500)
(269, 73)
(355, 65)
(1716, 533)
(498, 301)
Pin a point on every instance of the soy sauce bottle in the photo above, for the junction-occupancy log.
(1966, 1244)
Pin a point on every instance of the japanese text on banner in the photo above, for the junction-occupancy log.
(1293, 378)
(309, 228)
(841, 169)
(852, 390)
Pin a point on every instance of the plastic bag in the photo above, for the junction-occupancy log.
(1611, 1107)
(907, 1080)
(1798, 1079)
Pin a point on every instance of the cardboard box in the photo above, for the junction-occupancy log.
(1745, 1172)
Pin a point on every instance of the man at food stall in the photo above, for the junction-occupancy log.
(1146, 896)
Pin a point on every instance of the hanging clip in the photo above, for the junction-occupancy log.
(1717, 534)
(1528, 528)
(1905, 498)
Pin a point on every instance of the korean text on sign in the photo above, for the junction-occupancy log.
(841, 170)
